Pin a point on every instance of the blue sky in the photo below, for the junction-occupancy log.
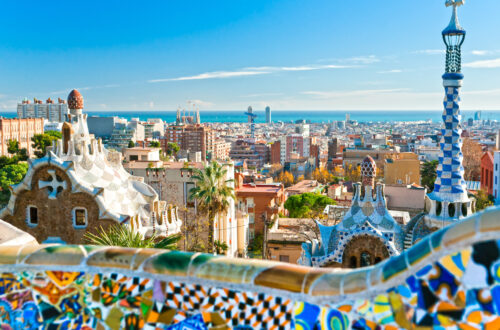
(290, 54)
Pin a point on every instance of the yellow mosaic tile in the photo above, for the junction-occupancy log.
(283, 276)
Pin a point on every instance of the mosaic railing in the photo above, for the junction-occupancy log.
(450, 279)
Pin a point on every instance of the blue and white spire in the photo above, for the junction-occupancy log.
(449, 199)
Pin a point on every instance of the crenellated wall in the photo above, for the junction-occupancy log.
(450, 279)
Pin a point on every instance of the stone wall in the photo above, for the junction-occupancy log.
(450, 279)
(55, 219)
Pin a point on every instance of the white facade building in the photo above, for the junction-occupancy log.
(496, 177)
(50, 110)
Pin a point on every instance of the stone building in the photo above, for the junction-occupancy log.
(80, 186)
(367, 234)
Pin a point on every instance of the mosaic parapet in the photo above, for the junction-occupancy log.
(310, 285)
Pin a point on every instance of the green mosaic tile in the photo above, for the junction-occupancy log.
(393, 266)
(419, 251)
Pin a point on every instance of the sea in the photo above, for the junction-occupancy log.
(313, 116)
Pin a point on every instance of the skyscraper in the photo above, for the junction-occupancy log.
(268, 115)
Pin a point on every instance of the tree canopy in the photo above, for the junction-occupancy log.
(42, 141)
(307, 205)
(483, 200)
(428, 174)
(10, 175)
(213, 193)
(154, 144)
(172, 148)
(286, 178)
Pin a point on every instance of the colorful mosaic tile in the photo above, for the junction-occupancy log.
(453, 288)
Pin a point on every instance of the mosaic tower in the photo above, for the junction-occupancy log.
(449, 200)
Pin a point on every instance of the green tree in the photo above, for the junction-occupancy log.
(307, 205)
(213, 193)
(13, 147)
(220, 247)
(255, 247)
(125, 236)
(172, 149)
(18, 154)
(131, 144)
(42, 141)
(10, 175)
(428, 174)
(483, 200)
(154, 144)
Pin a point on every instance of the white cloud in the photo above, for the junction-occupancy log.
(391, 71)
(363, 59)
(368, 59)
(212, 75)
(251, 71)
(363, 92)
(201, 103)
(261, 95)
(484, 64)
(430, 51)
(480, 52)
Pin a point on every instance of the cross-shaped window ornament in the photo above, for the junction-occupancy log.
(55, 185)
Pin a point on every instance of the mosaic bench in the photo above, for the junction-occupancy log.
(449, 280)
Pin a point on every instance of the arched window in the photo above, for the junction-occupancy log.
(353, 262)
(451, 210)
(439, 208)
(464, 209)
(366, 259)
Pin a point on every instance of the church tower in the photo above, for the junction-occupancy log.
(449, 202)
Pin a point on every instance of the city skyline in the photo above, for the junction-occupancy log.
(286, 55)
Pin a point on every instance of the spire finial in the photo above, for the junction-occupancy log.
(454, 3)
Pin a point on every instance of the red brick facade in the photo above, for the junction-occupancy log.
(487, 172)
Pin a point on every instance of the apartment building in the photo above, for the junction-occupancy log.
(21, 130)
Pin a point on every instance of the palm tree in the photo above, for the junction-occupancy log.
(125, 236)
(212, 192)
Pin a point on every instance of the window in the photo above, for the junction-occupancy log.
(79, 217)
(133, 157)
(353, 263)
(251, 218)
(32, 216)
(284, 258)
